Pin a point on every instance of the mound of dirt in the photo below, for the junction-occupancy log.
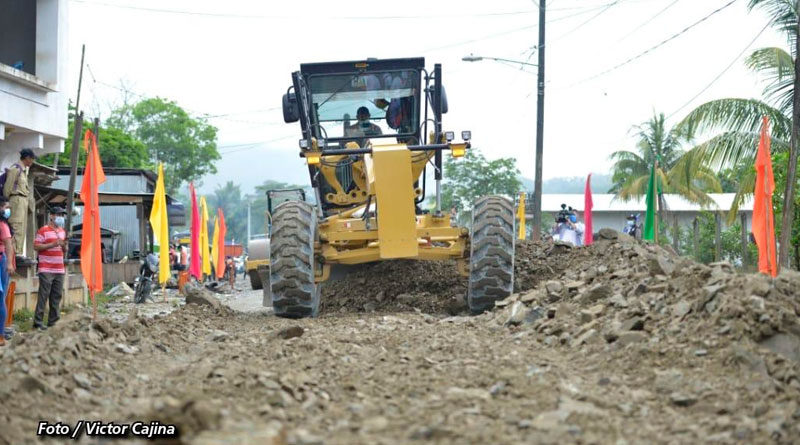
(398, 286)
(619, 294)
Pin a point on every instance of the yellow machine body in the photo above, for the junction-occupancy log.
(384, 190)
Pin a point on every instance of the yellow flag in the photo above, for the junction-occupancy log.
(158, 220)
(215, 245)
(204, 237)
(521, 216)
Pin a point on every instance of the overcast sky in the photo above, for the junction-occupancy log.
(234, 59)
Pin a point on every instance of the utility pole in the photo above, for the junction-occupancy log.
(537, 191)
(791, 171)
(77, 99)
(248, 221)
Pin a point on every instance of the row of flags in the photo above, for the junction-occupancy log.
(763, 225)
(203, 255)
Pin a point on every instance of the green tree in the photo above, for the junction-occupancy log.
(678, 172)
(118, 148)
(186, 145)
(735, 122)
(473, 176)
(228, 197)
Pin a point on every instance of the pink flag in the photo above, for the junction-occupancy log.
(194, 267)
(588, 237)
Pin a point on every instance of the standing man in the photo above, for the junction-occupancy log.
(18, 194)
(51, 243)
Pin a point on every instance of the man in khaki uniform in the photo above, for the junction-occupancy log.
(18, 193)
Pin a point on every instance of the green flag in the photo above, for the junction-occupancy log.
(652, 204)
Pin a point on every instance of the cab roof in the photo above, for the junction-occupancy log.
(366, 65)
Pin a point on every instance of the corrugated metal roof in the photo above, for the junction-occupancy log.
(604, 202)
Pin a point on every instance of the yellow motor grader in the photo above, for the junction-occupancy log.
(370, 130)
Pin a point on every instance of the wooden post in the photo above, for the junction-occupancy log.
(73, 172)
(142, 230)
(77, 99)
(696, 238)
(717, 237)
(745, 241)
(675, 233)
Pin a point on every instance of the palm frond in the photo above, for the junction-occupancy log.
(728, 149)
(782, 15)
(635, 187)
(736, 115)
(777, 66)
(747, 184)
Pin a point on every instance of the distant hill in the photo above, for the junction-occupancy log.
(600, 184)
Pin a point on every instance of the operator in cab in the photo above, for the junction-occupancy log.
(363, 127)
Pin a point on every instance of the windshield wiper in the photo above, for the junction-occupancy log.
(338, 90)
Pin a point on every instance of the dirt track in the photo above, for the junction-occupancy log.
(652, 365)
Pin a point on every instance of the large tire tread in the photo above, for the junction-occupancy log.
(492, 247)
(293, 290)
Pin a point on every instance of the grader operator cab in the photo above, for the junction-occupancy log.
(370, 130)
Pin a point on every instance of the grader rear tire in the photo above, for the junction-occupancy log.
(294, 292)
(491, 276)
(255, 280)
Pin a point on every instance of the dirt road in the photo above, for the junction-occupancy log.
(549, 366)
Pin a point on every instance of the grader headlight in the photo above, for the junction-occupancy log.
(313, 158)
(458, 150)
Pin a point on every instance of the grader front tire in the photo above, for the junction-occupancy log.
(491, 275)
(294, 292)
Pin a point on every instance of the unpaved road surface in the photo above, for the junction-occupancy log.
(617, 343)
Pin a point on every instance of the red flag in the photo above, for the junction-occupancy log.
(91, 252)
(195, 268)
(588, 236)
(221, 247)
(763, 219)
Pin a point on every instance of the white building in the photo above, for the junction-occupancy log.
(608, 212)
(33, 77)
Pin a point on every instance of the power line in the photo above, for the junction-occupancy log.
(252, 145)
(648, 21)
(515, 30)
(603, 10)
(286, 17)
(715, 79)
(647, 51)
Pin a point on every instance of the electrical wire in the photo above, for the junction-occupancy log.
(652, 48)
(715, 79)
(515, 30)
(573, 30)
(648, 21)
(286, 17)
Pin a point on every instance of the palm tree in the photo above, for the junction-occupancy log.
(737, 121)
(678, 172)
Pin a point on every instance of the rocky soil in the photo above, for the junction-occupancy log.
(615, 343)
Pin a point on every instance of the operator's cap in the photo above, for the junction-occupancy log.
(58, 210)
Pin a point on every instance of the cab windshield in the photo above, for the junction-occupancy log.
(362, 106)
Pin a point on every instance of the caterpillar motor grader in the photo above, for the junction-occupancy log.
(370, 130)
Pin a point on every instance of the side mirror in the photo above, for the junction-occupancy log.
(291, 112)
(444, 101)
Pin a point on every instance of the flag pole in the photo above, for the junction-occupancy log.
(655, 200)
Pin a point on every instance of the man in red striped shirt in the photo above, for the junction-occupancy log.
(50, 243)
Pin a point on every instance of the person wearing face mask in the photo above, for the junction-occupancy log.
(363, 127)
(569, 231)
(6, 262)
(50, 243)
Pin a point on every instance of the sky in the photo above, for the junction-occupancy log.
(233, 60)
